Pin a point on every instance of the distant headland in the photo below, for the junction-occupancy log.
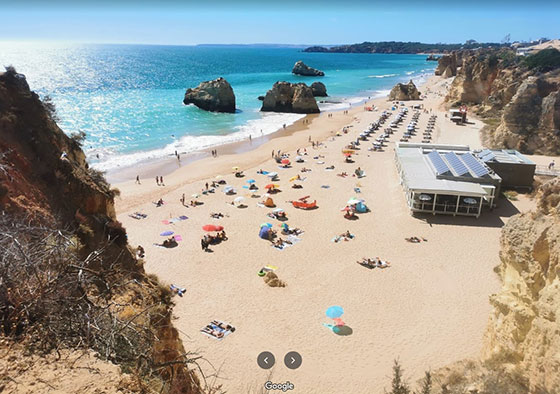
(401, 47)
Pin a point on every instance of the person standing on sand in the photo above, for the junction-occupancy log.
(206, 185)
(138, 179)
(551, 165)
(250, 138)
(157, 180)
(183, 199)
(273, 153)
(161, 181)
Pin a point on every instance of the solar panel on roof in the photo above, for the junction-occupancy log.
(457, 165)
(474, 165)
(438, 163)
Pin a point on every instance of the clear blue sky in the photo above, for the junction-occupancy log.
(287, 22)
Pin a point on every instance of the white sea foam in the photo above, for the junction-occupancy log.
(268, 123)
(382, 76)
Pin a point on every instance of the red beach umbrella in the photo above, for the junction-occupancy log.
(285, 161)
(271, 186)
(212, 227)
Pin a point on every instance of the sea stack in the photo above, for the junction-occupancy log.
(319, 89)
(290, 97)
(300, 68)
(403, 92)
(216, 96)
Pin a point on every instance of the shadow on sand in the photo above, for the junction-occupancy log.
(487, 218)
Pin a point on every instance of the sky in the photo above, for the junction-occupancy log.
(285, 22)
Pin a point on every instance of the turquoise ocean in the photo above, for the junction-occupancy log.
(128, 98)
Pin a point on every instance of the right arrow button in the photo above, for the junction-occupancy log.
(293, 360)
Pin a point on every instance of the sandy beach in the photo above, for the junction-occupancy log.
(428, 309)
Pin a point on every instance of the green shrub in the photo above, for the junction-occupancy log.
(544, 61)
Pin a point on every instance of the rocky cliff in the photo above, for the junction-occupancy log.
(216, 95)
(519, 103)
(300, 68)
(69, 279)
(290, 97)
(404, 92)
(522, 342)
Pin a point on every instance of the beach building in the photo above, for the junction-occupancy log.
(458, 115)
(516, 170)
(445, 179)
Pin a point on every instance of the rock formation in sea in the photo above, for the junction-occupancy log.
(300, 68)
(403, 92)
(521, 346)
(520, 105)
(71, 280)
(216, 95)
(290, 97)
(319, 89)
(432, 58)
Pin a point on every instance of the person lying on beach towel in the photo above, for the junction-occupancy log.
(342, 174)
(329, 168)
(373, 263)
(218, 329)
(347, 236)
(217, 215)
(159, 203)
(415, 240)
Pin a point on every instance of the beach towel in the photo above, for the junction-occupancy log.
(215, 327)
(325, 186)
(174, 220)
(178, 238)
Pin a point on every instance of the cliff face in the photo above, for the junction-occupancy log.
(522, 342)
(404, 92)
(525, 324)
(521, 105)
(47, 185)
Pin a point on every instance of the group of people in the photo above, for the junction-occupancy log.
(415, 239)
(140, 252)
(374, 263)
(214, 152)
(170, 242)
(217, 329)
(159, 181)
(209, 239)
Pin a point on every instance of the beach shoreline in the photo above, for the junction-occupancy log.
(163, 166)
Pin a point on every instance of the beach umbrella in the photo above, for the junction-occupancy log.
(235, 168)
(299, 159)
(166, 233)
(272, 174)
(228, 189)
(348, 154)
(263, 232)
(212, 227)
(346, 208)
(293, 178)
(239, 199)
(424, 197)
(278, 210)
(334, 312)
(218, 176)
(353, 201)
(251, 181)
(271, 186)
(266, 225)
(285, 161)
(195, 195)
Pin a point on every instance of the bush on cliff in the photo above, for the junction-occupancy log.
(544, 61)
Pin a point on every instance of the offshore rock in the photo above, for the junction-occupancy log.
(216, 95)
(290, 97)
(319, 89)
(300, 68)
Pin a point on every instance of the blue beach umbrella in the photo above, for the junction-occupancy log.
(334, 311)
(263, 233)
(251, 181)
(166, 233)
(266, 225)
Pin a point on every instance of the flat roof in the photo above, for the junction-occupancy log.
(419, 173)
(510, 156)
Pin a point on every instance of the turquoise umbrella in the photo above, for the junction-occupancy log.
(334, 311)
